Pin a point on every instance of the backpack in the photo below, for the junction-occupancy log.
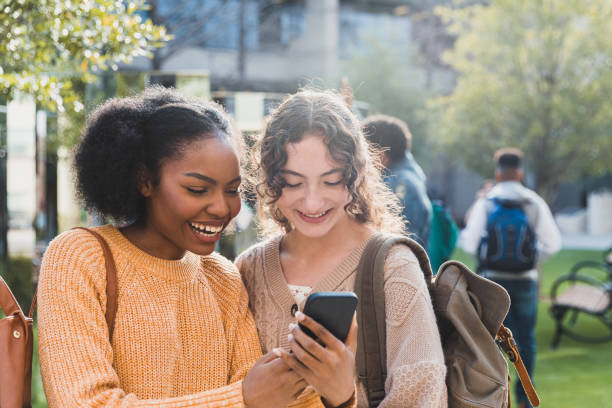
(509, 243)
(469, 311)
(443, 235)
(16, 336)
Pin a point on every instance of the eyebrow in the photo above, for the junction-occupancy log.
(210, 180)
(327, 173)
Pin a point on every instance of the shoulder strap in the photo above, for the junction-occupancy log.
(505, 341)
(369, 286)
(111, 284)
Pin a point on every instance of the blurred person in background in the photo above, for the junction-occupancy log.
(402, 173)
(510, 229)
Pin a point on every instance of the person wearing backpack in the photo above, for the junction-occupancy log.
(402, 173)
(509, 230)
(321, 201)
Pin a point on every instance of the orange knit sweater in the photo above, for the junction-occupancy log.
(184, 335)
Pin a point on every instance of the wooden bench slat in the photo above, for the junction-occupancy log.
(585, 297)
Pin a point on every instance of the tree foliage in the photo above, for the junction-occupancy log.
(387, 82)
(47, 44)
(535, 74)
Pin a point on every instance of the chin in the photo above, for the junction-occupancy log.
(203, 250)
(314, 231)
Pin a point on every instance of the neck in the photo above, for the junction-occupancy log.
(141, 236)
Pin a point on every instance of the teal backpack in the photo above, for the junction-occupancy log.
(443, 235)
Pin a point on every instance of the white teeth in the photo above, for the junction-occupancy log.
(315, 215)
(206, 229)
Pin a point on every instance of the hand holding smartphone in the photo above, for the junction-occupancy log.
(333, 310)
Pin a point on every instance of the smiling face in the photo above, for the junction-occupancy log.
(314, 195)
(195, 199)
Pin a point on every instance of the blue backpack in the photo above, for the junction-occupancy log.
(509, 243)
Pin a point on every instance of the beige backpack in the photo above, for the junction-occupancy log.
(469, 309)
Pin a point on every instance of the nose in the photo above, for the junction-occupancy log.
(219, 207)
(313, 201)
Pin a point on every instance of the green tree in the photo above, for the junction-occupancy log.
(387, 82)
(535, 74)
(48, 44)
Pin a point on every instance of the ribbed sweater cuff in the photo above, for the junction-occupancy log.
(229, 396)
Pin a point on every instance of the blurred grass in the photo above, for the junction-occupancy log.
(576, 374)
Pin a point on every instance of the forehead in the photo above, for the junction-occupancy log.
(211, 156)
(310, 153)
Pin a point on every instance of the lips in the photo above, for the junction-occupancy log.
(314, 218)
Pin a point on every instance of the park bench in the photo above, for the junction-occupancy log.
(585, 290)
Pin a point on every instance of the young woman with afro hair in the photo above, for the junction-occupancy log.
(166, 169)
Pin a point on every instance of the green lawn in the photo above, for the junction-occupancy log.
(574, 375)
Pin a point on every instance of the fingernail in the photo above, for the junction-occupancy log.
(277, 351)
(290, 337)
(292, 326)
(299, 315)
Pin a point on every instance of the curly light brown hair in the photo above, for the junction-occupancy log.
(322, 112)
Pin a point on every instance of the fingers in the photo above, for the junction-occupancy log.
(293, 363)
(266, 358)
(328, 339)
(285, 368)
(300, 386)
(302, 354)
(351, 338)
(307, 343)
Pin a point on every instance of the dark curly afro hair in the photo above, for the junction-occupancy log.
(127, 138)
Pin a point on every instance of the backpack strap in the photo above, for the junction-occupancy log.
(369, 286)
(111, 284)
(505, 341)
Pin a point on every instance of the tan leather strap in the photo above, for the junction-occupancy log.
(33, 305)
(506, 342)
(111, 282)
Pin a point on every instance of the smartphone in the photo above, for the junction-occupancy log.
(332, 310)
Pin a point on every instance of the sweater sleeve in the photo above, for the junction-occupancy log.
(415, 363)
(76, 356)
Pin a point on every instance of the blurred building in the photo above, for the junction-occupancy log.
(277, 46)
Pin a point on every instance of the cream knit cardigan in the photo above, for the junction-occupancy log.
(415, 362)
